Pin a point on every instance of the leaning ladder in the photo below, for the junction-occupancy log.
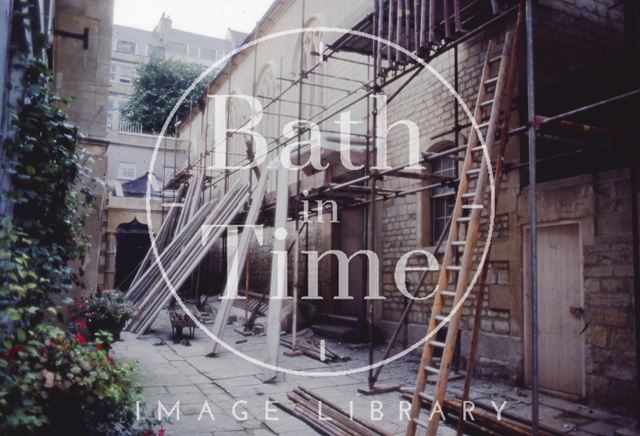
(494, 98)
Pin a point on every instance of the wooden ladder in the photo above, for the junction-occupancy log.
(492, 106)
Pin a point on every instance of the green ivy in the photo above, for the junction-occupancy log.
(50, 204)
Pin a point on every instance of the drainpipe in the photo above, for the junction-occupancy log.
(533, 255)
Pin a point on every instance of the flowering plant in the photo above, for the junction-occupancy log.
(107, 312)
(60, 383)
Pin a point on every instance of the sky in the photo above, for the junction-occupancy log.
(207, 17)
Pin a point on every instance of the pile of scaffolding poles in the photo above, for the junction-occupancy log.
(153, 273)
(179, 264)
(171, 227)
(163, 237)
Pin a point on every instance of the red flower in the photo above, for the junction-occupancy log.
(82, 324)
(15, 350)
(161, 432)
(81, 339)
(99, 347)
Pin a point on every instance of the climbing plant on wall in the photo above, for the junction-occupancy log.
(52, 379)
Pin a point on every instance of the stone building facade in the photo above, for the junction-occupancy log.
(584, 203)
(81, 71)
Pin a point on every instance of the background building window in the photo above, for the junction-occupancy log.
(141, 49)
(207, 53)
(194, 51)
(111, 106)
(156, 51)
(126, 47)
(113, 72)
(177, 47)
(126, 171)
(443, 199)
(126, 73)
(168, 174)
(313, 94)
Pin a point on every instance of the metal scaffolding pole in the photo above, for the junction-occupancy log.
(296, 257)
(533, 230)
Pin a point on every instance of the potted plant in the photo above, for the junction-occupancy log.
(109, 311)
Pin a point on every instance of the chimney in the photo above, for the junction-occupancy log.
(164, 25)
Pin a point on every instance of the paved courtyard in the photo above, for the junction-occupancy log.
(215, 389)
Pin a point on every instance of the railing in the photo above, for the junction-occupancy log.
(125, 126)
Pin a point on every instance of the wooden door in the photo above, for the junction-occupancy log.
(560, 344)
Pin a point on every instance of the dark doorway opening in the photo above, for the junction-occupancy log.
(132, 244)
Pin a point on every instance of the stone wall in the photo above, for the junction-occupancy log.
(609, 296)
(83, 75)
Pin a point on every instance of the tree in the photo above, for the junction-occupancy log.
(156, 89)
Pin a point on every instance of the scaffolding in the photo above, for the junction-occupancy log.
(427, 32)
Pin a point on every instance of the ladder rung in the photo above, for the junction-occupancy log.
(458, 243)
(491, 81)
(448, 293)
(420, 423)
(469, 195)
(495, 59)
(487, 102)
(437, 344)
(453, 268)
(477, 148)
(441, 318)
(473, 206)
(473, 172)
(463, 219)
(484, 125)
(431, 369)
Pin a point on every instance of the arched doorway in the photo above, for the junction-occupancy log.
(132, 243)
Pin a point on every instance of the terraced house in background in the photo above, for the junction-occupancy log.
(131, 47)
